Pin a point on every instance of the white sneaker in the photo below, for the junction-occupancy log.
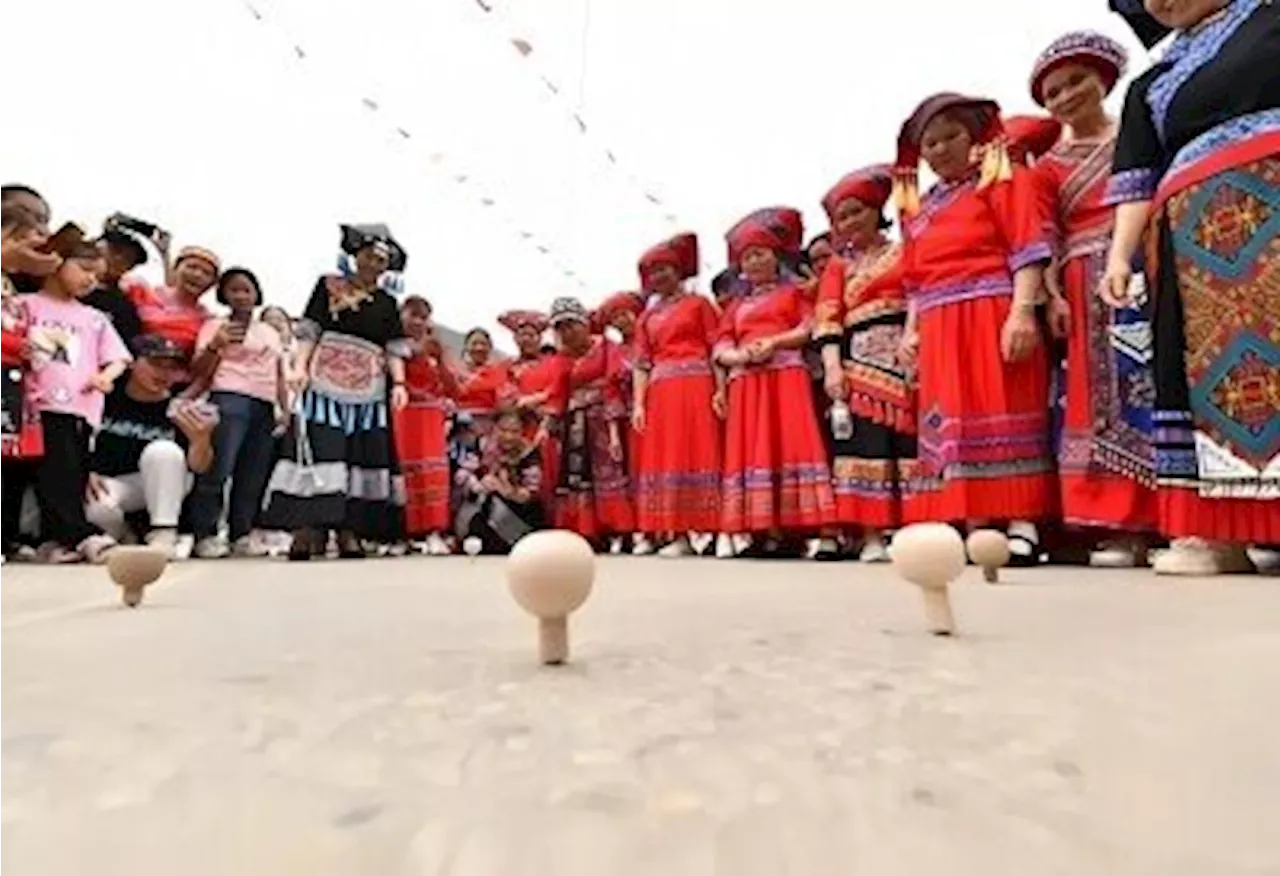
(1024, 542)
(825, 549)
(95, 548)
(701, 541)
(678, 548)
(642, 547)
(436, 546)
(165, 539)
(1200, 557)
(185, 546)
(874, 550)
(249, 547)
(1117, 554)
(724, 547)
(212, 548)
(1265, 559)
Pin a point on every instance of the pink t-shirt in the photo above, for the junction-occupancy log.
(70, 343)
(251, 368)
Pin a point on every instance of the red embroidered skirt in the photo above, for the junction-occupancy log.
(984, 448)
(593, 493)
(677, 460)
(424, 464)
(1091, 494)
(775, 461)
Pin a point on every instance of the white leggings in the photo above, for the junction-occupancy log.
(159, 486)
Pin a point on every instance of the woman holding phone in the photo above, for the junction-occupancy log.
(241, 358)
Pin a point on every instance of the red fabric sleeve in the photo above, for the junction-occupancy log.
(1024, 217)
(829, 311)
(643, 348)
(725, 336)
(12, 347)
(558, 396)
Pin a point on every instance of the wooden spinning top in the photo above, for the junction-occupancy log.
(134, 569)
(550, 575)
(930, 555)
(989, 548)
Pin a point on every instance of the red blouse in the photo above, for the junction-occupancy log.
(165, 312)
(676, 336)
(967, 243)
(1073, 180)
(765, 314)
(584, 381)
(478, 388)
(428, 383)
(530, 376)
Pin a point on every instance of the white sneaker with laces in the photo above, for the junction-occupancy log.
(211, 548)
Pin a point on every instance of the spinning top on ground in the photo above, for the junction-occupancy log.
(472, 545)
(134, 569)
(930, 555)
(550, 575)
(989, 548)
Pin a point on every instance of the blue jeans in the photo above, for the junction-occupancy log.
(244, 450)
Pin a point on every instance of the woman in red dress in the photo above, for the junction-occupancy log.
(975, 247)
(593, 495)
(776, 478)
(860, 315)
(529, 383)
(679, 401)
(620, 312)
(419, 430)
(480, 380)
(1105, 459)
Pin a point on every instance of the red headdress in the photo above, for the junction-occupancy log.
(1102, 53)
(619, 302)
(780, 229)
(1030, 137)
(870, 185)
(680, 251)
(979, 115)
(514, 320)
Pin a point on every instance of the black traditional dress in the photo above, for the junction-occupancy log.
(339, 470)
(1200, 138)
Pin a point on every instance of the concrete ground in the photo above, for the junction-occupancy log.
(729, 718)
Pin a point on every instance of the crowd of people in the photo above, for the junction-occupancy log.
(1076, 338)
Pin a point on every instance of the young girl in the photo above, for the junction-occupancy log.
(242, 359)
(75, 357)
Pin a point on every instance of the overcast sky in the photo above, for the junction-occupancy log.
(203, 117)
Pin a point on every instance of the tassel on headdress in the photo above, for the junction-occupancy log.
(996, 166)
(906, 190)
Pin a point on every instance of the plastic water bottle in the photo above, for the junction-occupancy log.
(841, 421)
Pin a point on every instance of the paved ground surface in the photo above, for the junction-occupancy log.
(720, 718)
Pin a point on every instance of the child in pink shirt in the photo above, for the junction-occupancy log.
(75, 358)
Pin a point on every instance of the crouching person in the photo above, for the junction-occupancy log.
(498, 487)
(149, 449)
